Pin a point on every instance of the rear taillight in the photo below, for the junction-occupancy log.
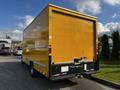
(49, 50)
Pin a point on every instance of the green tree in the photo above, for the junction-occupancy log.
(105, 47)
(116, 43)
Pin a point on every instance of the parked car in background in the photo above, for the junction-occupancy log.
(17, 51)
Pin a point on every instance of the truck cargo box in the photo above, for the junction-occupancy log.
(61, 43)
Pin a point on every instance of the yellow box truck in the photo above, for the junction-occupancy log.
(61, 43)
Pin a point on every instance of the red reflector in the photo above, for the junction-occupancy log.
(49, 50)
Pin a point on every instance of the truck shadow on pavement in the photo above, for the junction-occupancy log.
(15, 76)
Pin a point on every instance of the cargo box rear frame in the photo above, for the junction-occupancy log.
(38, 45)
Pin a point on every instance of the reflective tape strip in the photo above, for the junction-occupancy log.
(40, 64)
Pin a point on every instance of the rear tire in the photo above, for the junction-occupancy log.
(22, 62)
(32, 70)
(87, 75)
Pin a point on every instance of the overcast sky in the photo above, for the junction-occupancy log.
(17, 14)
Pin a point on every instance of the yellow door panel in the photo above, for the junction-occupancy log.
(71, 37)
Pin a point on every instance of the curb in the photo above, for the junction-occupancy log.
(105, 82)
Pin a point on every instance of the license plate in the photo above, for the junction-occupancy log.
(64, 69)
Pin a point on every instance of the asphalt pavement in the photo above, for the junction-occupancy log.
(15, 76)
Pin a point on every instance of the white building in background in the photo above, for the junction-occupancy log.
(5, 46)
(9, 40)
(6, 42)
